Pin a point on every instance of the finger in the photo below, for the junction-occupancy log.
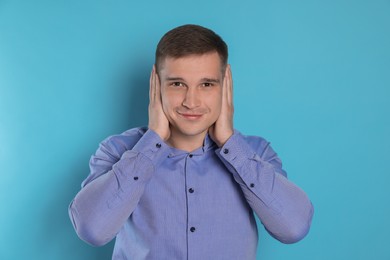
(224, 90)
(157, 87)
(151, 85)
(229, 87)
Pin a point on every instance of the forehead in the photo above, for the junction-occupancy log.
(204, 65)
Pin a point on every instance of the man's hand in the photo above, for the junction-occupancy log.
(158, 122)
(222, 129)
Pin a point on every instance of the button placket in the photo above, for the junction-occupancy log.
(191, 174)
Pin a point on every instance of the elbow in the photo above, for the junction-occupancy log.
(294, 235)
(298, 230)
(86, 230)
(89, 235)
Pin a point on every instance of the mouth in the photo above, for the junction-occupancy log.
(190, 116)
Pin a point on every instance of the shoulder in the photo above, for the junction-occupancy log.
(116, 145)
(257, 143)
(263, 149)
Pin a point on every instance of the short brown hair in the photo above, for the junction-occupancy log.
(188, 40)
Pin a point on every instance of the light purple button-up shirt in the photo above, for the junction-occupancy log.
(164, 203)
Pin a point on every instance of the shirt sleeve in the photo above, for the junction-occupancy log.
(115, 185)
(282, 207)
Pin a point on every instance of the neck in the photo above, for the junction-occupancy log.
(187, 143)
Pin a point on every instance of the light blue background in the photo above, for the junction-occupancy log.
(313, 77)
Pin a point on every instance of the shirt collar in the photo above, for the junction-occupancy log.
(208, 144)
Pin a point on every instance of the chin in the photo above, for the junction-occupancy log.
(191, 131)
(194, 132)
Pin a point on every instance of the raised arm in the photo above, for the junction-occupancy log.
(283, 208)
(120, 169)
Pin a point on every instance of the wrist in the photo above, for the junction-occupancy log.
(221, 142)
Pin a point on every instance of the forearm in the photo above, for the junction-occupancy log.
(283, 208)
(102, 206)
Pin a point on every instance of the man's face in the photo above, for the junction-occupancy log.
(191, 90)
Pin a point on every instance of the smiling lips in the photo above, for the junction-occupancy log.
(190, 116)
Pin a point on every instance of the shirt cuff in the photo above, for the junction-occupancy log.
(255, 173)
(153, 147)
(237, 151)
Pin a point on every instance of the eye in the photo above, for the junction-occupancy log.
(177, 84)
(207, 84)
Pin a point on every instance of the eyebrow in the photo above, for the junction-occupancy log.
(174, 79)
(203, 79)
(210, 80)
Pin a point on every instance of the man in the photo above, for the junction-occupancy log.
(186, 186)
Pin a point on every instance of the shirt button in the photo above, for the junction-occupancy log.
(252, 185)
(135, 178)
(190, 155)
(225, 151)
(192, 229)
(158, 145)
(191, 190)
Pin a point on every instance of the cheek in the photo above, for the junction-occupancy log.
(168, 101)
(164, 100)
(165, 104)
(215, 103)
(218, 106)
(218, 100)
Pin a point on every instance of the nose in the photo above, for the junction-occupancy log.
(191, 99)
